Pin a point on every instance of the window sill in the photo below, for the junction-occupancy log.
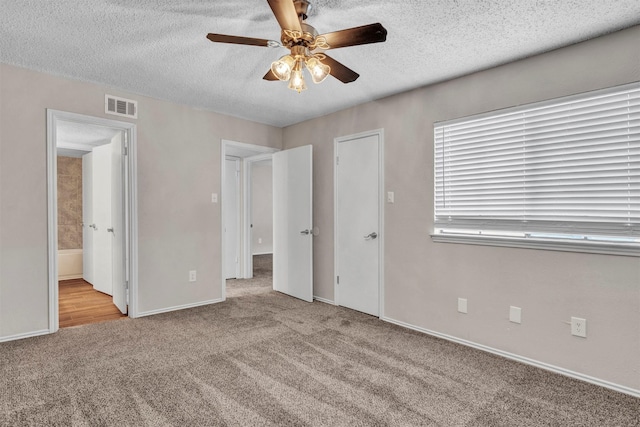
(544, 244)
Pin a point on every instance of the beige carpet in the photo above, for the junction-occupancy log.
(261, 282)
(265, 359)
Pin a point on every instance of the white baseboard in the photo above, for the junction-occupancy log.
(324, 300)
(263, 253)
(179, 307)
(522, 359)
(25, 335)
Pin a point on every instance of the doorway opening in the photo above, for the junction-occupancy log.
(247, 219)
(91, 219)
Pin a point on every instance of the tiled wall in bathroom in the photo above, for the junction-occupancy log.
(69, 203)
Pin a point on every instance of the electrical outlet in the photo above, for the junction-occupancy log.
(192, 275)
(462, 305)
(515, 314)
(579, 327)
(259, 240)
(214, 197)
(390, 197)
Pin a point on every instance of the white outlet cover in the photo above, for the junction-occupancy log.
(462, 305)
(515, 314)
(579, 327)
(214, 197)
(390, 197)
(192, 275)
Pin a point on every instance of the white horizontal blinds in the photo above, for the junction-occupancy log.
(568, 166)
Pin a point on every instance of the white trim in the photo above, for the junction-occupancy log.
(52, 220)
(239, 189)
(52, 223)
(265, 152)
(25, 335)
(179, 307)
(592, 247)
(522, 359)
(263, 253)
(381, 205)
(324, 300)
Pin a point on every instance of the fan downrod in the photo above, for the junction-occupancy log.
(302, 8)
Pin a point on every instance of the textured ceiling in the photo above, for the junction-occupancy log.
(159, 48)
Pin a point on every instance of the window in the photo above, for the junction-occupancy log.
(560, 172)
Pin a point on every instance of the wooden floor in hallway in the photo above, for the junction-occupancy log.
(80, 304)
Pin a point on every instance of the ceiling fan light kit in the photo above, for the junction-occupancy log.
(303, 41)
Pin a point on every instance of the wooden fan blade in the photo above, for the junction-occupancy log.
(372, 33)
(270, 76)
(286, 14)
(222, 38)
(339, 71)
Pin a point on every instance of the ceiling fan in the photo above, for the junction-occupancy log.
(307, 46)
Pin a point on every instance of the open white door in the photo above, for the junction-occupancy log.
(102, 251)
(87, 217)
(117, 229)
(293, 223)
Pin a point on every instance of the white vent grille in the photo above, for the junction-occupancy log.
(120, 106)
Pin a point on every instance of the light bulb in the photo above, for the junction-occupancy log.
(282, 67)
(318, 70)
(297, 80)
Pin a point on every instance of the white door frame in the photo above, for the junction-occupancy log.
(131, 203)
(381, 202)
(239, 217)
(257, 152)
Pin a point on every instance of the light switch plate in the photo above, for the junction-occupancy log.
(462, 305)
(515, 314)
(214, 197)
(390, 197)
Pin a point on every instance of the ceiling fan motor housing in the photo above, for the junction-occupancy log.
(305, 39)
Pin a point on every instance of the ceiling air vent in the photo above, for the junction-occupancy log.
(120, 106)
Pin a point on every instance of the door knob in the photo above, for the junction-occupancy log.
(306, 232)
(371, 236)
(93, 226)
(110, 230)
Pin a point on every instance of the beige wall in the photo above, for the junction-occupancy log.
(69, 202)
(178, 169)
(423, 279)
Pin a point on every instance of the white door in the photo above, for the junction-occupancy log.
(102, 248)
(87, 218)
(118, 228)
(358, 224)
(232, 217)
(293, 222)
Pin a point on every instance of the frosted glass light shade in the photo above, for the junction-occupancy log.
(318, 70)
(297, 80)
(282, 67)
